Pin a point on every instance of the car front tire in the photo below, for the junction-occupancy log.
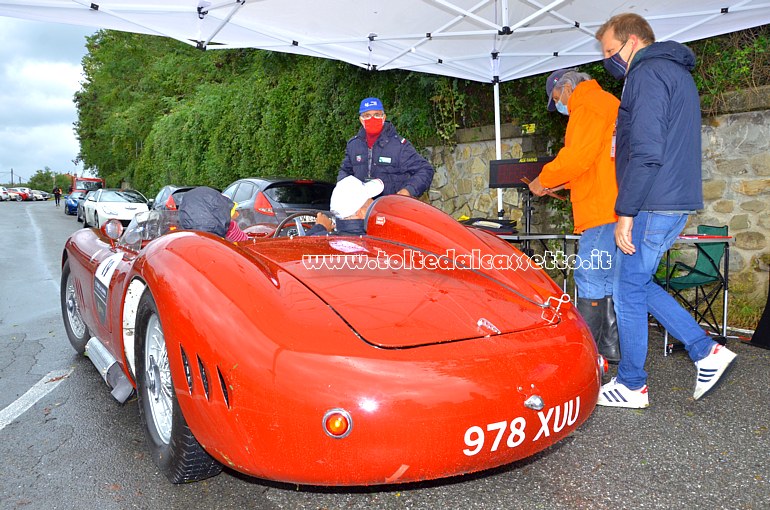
(172, 444)
(75, 326)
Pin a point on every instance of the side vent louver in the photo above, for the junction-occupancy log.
(204, 377)
(187, 371)
(222, 383)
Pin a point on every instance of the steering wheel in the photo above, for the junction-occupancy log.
(294, 221)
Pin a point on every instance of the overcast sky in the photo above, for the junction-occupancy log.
(40, 71)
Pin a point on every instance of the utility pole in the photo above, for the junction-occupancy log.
(11, 177)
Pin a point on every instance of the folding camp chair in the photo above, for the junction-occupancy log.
(705, 278)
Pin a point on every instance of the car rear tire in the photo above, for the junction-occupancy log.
(172, 444)
(77, 331)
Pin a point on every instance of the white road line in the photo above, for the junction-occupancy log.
(42, 388)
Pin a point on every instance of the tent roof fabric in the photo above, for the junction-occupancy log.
(479, 40)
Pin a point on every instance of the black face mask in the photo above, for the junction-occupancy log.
(615, 65)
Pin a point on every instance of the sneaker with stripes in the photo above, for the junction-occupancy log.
(615, 394)
(711, 368)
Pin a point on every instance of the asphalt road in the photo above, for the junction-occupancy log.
(77, 448)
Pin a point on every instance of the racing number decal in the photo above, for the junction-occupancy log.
(515, 431)
(102, 279)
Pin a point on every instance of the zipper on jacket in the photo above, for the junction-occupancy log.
(369, 175)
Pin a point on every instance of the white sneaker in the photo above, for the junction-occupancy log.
(711, 368)
(615, 394)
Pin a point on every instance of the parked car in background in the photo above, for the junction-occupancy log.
(270, 200)
(39, 195)
(104, 204)
(20, 194)
(4, 194)
(81, 201)
(169, 197)
(72, 200)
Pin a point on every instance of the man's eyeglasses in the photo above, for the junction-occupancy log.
(369, 115)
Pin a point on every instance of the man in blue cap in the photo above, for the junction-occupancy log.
(377, 152)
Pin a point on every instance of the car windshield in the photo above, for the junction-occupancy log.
(146, 226)
(122, 196)
(76, 195)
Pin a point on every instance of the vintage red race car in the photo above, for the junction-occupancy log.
(423, 349)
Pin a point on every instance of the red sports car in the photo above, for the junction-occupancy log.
(19, 194)
(423, 349)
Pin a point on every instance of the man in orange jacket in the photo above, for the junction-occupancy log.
(586, 166)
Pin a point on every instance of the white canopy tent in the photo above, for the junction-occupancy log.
(481, 40)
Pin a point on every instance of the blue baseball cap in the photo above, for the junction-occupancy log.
(370, 103)
(553, 79)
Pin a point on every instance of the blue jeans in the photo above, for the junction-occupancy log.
(635, 294)
(596, 262)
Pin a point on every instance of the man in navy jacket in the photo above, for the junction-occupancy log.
(377, 152)
(658, 166)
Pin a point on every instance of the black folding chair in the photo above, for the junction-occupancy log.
(704, 278)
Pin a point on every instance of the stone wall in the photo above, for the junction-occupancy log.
(736, 192)
(736, 183)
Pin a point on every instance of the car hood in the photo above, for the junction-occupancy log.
(390, 297)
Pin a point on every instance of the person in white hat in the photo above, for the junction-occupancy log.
(350, 200)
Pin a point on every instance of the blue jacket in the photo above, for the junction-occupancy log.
(658, 152)
(393, 160)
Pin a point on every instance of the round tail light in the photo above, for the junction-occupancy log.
(337, 423)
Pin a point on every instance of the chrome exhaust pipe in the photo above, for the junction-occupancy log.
(109, 369)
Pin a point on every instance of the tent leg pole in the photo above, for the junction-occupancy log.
(498, 148)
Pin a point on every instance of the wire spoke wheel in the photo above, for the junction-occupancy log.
(74, 323)
(74, 318)
(158, 377)
(173, 447)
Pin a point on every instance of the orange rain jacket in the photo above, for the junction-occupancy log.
(586, 164)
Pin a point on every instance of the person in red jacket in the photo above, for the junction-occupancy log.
(586, 166)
